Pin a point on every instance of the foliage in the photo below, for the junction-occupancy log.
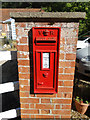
(80, 100)
(73, 7)
(58, 7)
(16, 5)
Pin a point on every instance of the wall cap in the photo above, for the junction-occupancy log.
(56, 15)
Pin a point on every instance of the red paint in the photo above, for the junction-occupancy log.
(45, 58)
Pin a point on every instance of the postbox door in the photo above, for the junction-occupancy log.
(45, 59)
(45, 70)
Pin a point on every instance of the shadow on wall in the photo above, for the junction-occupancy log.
(9, 71)
(31, 61)
(9, 74)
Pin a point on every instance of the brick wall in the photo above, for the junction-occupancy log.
(47, 105)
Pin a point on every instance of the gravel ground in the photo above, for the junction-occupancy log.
(77, 115)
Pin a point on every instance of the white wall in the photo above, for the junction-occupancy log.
(8, 55)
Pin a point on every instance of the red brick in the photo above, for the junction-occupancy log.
(24, 76)
(66, 106)
(69, 70)
(46, 95)
(24, 94)
(24, 105)
(62, 101)
(24, 88)
(31, 105)
(64, 117)
(60, 83)
(72, 64)
(30, 111)
(29, 100)
(67, 95)
(24, 116)
(24, 62)
(74, 48)
(60, 70)
(45, 111)
(45, 100)
(69, 48)
(23, 82)
(41, 23)
(44, 106)
(24, 69)
(62, 40)
(61, 56)
(76, 32)
(23, 25)
(22, 55)
(66, 77)
(62, 48)
(65, 89)
(70, 56)
(71, 40)
(16, 31)
(61, 112)
(32, 116)
(66, 64)
(32, 95)
(57, 116)
(44, 116)
(57, 107)
(23, 40)
(24, 48)
(68, 83)
(59, 94)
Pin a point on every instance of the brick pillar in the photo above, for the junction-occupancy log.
(47, 105)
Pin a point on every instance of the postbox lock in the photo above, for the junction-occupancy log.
(45, 33)
(45, 74)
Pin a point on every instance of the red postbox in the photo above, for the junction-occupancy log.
(45, 58)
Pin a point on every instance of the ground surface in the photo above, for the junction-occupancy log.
(77, 115)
